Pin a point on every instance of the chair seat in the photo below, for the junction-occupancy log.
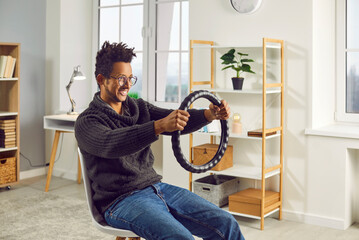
(113, 231)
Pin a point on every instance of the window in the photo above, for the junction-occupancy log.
(158, 29)
(122, 21)
(347, 61)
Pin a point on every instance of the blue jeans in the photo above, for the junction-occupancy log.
(163, 211)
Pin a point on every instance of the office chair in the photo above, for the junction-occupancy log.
(97, 218)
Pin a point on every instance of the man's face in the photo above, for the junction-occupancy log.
(112, 86)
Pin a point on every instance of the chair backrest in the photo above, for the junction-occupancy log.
(95, 215)
(97, 218)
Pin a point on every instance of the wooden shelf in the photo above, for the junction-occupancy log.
(233, 135)
(244, 171)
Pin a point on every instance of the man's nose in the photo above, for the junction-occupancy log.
(126, 84)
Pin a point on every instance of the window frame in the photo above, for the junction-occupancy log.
(149, 50)
(341, 65)
(153, 51)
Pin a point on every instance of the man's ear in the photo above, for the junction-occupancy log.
(100, 79)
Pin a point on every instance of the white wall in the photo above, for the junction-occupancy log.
(323, 92)
(18, 23)
(314, 167)
(68, 44)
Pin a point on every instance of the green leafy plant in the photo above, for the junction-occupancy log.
(237, 63)
(133, 95)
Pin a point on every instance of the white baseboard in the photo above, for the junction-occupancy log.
(33, 173)
(314, 219)
(43, 171)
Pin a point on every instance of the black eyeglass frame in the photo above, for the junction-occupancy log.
(123, 79)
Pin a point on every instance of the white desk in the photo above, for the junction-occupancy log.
(61, 123)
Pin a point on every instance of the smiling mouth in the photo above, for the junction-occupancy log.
(123, 92)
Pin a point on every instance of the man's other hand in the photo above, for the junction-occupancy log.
(221, 112)
(175, 121)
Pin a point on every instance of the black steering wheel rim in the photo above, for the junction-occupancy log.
(176, 147)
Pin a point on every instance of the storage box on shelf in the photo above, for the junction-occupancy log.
(205, 152)
(216, 188)
(9, 114)
(249, 202)
(263, 203)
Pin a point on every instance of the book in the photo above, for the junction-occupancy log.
(7, 121)
(8, 140)
(7, 145)
(8, 67)
(7, 137)
(12, 68)
(4, 134)
(7, 125)
(7, 130)
(258, 133)
(3, 60)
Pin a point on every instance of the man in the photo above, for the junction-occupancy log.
(115, 134)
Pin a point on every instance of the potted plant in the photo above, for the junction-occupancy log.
(238, 64)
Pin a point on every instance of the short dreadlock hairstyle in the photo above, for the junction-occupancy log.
(111, 53)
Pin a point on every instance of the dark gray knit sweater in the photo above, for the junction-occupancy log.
(116, 147)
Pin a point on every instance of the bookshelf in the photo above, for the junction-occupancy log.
(9, 118)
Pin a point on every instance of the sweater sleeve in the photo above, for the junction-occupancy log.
(110, 143)
(196, 120)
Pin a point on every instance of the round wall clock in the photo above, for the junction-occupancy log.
(246, 6)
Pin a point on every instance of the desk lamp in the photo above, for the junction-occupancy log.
(76, 75)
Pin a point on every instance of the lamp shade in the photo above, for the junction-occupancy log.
(77, 74)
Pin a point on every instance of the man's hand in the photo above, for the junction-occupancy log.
(175, 121)
(221, 112)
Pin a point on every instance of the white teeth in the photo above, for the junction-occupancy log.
(123, 92)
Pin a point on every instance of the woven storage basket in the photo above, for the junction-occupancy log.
(7, 170)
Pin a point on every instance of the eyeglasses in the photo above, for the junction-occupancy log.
(122, 80)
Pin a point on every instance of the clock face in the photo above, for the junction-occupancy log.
(246, 6)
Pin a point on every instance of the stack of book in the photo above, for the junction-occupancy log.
(7, 66)
(7, 133)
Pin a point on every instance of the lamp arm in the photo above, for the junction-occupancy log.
(73, 104)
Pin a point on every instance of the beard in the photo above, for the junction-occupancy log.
(111, 95)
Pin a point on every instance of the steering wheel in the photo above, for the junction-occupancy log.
(176, 147)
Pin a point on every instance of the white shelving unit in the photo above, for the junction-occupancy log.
(241, 170)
